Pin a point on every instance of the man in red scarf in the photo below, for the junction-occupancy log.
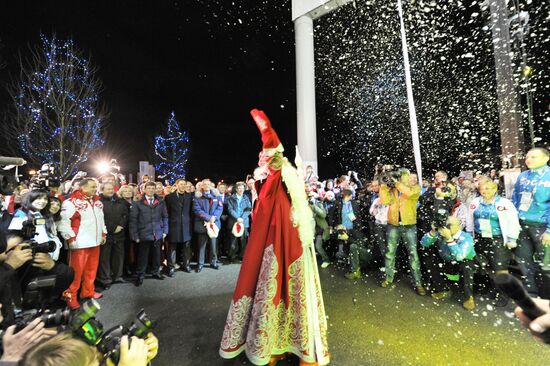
(277, 306)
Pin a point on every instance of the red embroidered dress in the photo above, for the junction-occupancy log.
(277, 305)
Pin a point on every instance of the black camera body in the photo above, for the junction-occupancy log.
(442, 211)
(45, 178)
(28, 232)
(84, 324)
(440, 218)
(56, 318)
(388, 177)
(46, 247)
(109, 345)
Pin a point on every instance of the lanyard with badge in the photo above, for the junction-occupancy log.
(526, 200)
(527, 196)
(485, 226)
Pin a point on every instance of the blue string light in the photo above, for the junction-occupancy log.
(76, 130)
(172, 151)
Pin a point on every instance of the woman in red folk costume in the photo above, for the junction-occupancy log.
(277, 306)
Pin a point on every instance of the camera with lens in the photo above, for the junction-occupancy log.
(45, 178)
(387, 178)
(28, 232)
(56, 318)
(440, 218)
(84, 324)
(442, 207)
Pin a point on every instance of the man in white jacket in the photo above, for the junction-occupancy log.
(83, 226)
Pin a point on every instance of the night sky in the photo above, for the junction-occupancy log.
(209, 63)
(212, 61)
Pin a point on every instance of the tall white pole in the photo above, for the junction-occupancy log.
(410, 96)
(305, 90)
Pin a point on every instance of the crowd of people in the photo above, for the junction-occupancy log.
(100, 232)
(455, 230)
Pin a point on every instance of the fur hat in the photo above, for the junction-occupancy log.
(238, 229)
(212, 229)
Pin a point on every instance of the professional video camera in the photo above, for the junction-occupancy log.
(83, 324)
(442, 206)
(388, 177)
(8, 182)
(45, 178)
(388, 174)
(28, 232)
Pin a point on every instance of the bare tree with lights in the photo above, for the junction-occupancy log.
(57, 118)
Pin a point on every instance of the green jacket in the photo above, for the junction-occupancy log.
(320, 215)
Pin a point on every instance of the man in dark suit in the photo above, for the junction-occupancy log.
(223, 240)
(179, 205)
(148, 228)
(111, 257)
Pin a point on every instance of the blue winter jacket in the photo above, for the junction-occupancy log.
(204, 207)
(538, 183)
(234, 213)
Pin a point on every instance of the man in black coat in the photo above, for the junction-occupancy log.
(179, 205)
(148, 228)
(111, 258)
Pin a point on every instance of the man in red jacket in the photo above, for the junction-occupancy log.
(83, 226)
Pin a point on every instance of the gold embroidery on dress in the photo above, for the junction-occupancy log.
(270, 329)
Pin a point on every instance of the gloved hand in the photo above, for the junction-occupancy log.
(511, 244)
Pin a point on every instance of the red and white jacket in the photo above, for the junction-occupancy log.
(82, 223)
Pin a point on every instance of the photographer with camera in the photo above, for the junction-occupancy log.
(456, 254)
(82, 225)
(16, 344)
(427, 202)
(35, 234)
(494, 220)
(397, 192)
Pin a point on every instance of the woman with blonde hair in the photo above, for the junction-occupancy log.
(495, 224)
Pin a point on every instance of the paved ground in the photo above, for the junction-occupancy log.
(368, 325)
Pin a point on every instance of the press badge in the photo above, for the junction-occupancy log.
(485, 227)
(526, 201)
(351, 216)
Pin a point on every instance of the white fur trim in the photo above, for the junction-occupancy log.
(301, 213)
